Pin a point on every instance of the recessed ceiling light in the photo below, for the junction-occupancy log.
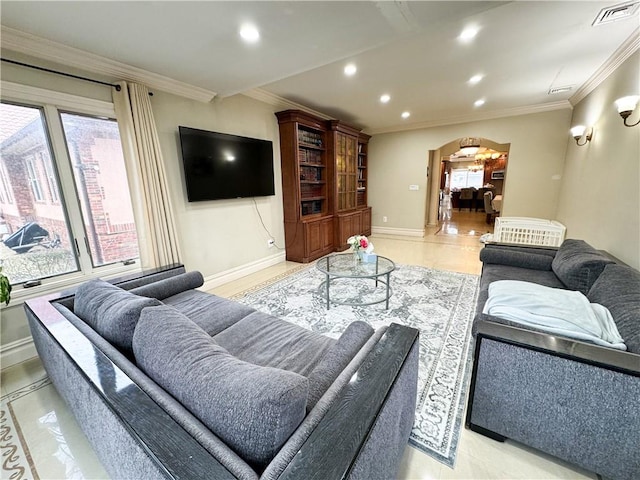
(350, 70)
(406, 114)
(249, 33)
(475, 79)
(385, 98)
(479, 103)
(468, 34)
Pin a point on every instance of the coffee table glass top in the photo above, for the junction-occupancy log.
(344, 265)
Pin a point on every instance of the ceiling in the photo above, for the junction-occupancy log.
(408, 50)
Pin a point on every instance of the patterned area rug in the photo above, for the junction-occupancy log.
(440, 304)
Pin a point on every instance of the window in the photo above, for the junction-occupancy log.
(463, 178)
(101, 182)
(64, 197)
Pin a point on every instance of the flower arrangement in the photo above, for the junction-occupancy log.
(360, 246)
(358, 242)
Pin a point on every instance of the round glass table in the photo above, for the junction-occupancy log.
(347, 280)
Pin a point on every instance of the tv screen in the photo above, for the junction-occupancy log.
(218, 165)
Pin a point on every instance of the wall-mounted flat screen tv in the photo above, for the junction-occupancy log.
(219, 165)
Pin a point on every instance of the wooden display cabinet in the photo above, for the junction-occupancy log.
(344, 150)
(324, 184)
(306, 186)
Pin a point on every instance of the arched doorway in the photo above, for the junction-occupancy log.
(468, 162)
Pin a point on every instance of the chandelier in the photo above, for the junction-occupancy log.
(476, 167)
(469, 145)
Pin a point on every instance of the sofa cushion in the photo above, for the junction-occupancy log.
(110, 311)
(170, 286)
(265, 340)
(253, 409)
(578, 265)
(618, 289)
(211, 313)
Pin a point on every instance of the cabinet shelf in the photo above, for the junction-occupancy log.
(311, 199)
(316, 165)
(311, 146)
(313, 182)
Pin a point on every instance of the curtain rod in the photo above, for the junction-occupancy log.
(48, 70)
(78, 77)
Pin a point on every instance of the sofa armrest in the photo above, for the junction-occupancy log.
(537, 258)
(608, 358)
(326, 454)
(570, 399)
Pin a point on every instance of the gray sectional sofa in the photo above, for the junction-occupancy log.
(573, 399)
(167, 381)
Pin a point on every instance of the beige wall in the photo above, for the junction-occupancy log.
(599, 199)
(538, 145)
(215, 236)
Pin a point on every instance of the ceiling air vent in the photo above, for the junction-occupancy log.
(554, 90)
(616, 12)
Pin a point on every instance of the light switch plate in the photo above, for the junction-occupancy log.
(414, 187)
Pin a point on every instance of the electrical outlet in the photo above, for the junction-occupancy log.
(271, 242)
(384, 219)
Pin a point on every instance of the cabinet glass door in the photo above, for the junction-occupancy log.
(346, 171)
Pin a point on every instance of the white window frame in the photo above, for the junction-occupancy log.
(53, 103)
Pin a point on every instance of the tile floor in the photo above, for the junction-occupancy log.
(59, 450)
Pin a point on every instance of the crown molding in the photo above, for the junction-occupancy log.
(475, 117)
(44, 49)
(282, 103)
(622, 53)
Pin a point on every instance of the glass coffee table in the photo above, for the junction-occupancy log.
(351, 282)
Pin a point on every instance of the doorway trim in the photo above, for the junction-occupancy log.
(435, 162)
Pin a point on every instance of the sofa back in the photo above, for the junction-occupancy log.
(618, 289)
(578, 265)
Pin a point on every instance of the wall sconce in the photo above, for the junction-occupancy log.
(580, 131)
(626, 106)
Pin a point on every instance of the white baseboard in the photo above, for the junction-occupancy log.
(405, 232)
(16, 352)
(221, 278)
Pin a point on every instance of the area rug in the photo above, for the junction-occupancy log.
(438, 303)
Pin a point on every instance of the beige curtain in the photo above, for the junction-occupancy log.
(147, 179)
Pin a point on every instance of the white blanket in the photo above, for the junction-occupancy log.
(562, 312)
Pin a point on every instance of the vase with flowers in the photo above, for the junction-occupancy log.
(359, 245)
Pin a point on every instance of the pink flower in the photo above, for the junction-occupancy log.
(363, 243)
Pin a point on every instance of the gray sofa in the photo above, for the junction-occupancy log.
(167, 381)
(572, 399)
